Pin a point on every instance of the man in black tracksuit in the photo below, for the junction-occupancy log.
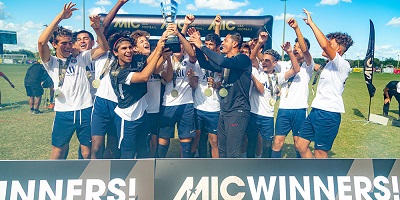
(234, 92)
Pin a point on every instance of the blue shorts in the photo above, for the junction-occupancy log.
(207, 121)
(290, 119)
(103, 117)
(154, 123)
(261, 124)
(131, 135)
(66, 123)
(321, 127)
(183, 116)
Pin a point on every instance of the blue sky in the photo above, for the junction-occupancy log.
(27, 17)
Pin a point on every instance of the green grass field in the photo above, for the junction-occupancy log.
(24, 136)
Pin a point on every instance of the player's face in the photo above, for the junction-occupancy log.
(335, 46)
(297, 52)
(83, 42)
(124, 53)
(211, 45)
(268, 63)
(245, 51)
(142, 45)
(63, 46)
(228, 44)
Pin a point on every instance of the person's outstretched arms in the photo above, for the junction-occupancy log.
(303, 46)
(217, 22)
(101, 39)
(111, 15)
(189, 19)
(295, 65)
(43, 47)
(322, 40)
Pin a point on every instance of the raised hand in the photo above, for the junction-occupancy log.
(263, 37)
(173, 28)
(287, 47)
(307, 20)
(195, 37)
(189, 19)
(123, 1)
(95, 21)
(217, 20)
(292, 23)
(190, 73)
(67, 10)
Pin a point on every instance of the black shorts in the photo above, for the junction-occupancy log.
(34, 91)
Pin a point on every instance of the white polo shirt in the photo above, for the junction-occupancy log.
(201, 101)
(297, 95)
(105, 89)
(260, 102)
(331, 85)
(153, 94)
(182, 84)
(75, 91)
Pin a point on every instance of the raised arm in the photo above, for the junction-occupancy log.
(217, 22)
(262, 39)
(257, 84)
(295, 65)
(144, 75)
(168, 73)
(186, 45)
(43, 47)
(307, 56)
(8, 80)
(111, 15)
(322, 40)
(189, 19)
(101, 39)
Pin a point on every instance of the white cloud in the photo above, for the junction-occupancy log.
(220, 4)
(122, 11)
(395, 21)
(103, 2)
(331, 2)
(191, 7)
(97, 10)
(152, 3)
(250, 12)
(3, 14)
(288, 15)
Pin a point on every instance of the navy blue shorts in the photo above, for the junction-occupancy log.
(66, 123)
(261, 124)
(154, 123)
(103, 117)
(131, 135)
(290, 119)
(207, 121)
(182, 115)
(321, 127)
(33, 91)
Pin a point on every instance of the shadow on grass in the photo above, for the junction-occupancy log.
(358, 113)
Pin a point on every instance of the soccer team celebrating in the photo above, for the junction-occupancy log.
(221, 93)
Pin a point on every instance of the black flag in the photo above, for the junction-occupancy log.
(369, 61)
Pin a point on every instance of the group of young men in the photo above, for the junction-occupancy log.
(221, 91)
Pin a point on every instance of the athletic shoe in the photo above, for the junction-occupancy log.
(50, 106)
(35, 112)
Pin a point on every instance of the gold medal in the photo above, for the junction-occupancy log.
(208, 92)
(272, 102)
(57, 93)
(223, 92)
(174, 93)
(96, 83)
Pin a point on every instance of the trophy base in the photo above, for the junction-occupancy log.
(173, 44)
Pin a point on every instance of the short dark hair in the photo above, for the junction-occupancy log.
(306, 41)
(343, 39)
(246, 46)
(115, 39)
(137, 34)
(237, 37)
(61, 32)
(84, 31)
(213, 38)
(273, 53)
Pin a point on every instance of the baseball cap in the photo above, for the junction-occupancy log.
(398, 87)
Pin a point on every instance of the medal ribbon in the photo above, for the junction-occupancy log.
(62, 69)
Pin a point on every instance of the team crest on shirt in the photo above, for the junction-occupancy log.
(73, 60)
(184, 63)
